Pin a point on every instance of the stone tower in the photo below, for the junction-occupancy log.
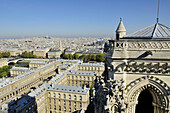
(137, 73)
(120, 31)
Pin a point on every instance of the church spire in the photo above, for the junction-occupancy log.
(120, 31)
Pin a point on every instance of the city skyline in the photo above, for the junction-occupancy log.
(97, 18)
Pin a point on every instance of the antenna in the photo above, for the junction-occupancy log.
(158, 12)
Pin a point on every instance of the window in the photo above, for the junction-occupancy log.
(72, 77)
(50, 106)
(54, 101)
(80, 97)
(80, 78)
(69, 109)
(49, 94)
(75, 109)
(54, 107)
(80, 104)
(65, 109)
(64, 102)
(69, 103)
(84, 78)
(76, 77)
(74, 97)
(59, 95)
(58, 101)
(59, 108)
(49, 100)
(75, 104)
(54, 94)
(88, 78)
(69, 96)
(64, 96)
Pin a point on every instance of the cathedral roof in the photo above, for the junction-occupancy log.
(154, 31)
(121, 26)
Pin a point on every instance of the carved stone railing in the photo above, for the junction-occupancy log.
(141, 44)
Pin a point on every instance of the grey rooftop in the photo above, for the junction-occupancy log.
(37, 62)
(21, 103)
(91, 64)
(154, 31)
(60, 88)
(67, 89)
(19, 69)
(86, 73)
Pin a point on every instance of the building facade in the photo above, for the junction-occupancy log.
(136, 77)
(3, 62)
(49, 79)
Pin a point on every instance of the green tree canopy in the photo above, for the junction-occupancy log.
(28, 55)
(75, 56)
(3, 74)
(4, 54)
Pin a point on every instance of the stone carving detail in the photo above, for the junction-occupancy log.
(143, 45)
(154, 86)
(116, 98)
(141, 67)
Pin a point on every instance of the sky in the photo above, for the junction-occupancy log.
(77, 18)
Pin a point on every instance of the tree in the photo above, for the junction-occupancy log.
(28, 55)
(51, 49)
(66, 56)
(100, 57)
(70, 56)
(61, 56)
(91, 89)
(4, 71)
(75, 56)
(93, 57)
(1, 55)
(86, 58)
(3, 74)
(4, 54)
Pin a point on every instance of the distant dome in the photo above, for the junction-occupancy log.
(154, 31)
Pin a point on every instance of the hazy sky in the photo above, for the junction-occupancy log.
(69, 18)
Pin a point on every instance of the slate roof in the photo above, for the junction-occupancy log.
(60, 88)
(155, 31)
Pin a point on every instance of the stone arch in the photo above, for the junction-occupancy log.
(158, 89)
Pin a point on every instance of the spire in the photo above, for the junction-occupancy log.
(158, 12)
(120, 31)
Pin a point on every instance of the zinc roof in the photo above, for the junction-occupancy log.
(154, 31)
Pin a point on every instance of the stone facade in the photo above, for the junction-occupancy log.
(135, 68)
(3, 62)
